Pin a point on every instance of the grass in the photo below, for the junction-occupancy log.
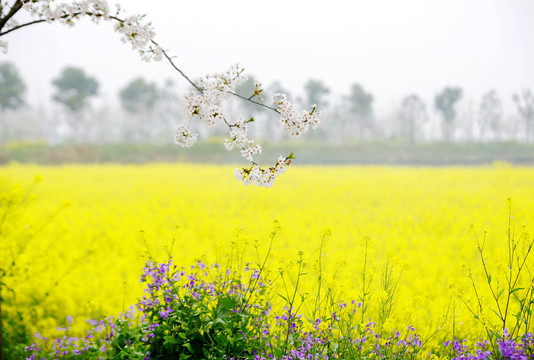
(307, 152)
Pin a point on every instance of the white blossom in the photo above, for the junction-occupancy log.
(293, 122)
(183, 136)
(252, 150)
(263, 177)
(238, 136)
(213, 89)
(140, 36)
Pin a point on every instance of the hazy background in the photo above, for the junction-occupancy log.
(391, 48)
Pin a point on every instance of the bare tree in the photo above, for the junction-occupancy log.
(490, 114)
(413, 115)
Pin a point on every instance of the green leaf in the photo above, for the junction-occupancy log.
(489, 279)
(516, 289)
(500, 317)
(519, 318)
(170, 339)
(188, 347)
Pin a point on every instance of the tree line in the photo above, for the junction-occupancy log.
(150, 111)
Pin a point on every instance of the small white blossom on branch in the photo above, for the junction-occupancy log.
(293, 122)
(207, 105)
(257, 91)
(214, 88)
(140, 36)
(183, 136)
(263, 177)
(134, 29)
(252, 150)
(238, 135)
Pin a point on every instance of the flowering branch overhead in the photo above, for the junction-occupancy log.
(211, 91)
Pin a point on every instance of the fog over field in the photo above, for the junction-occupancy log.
(411, 71)
(392, 48)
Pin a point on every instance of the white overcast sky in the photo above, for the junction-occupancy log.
(392, 47)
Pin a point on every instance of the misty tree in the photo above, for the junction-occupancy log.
(359, 104)
(167, 110)
(12, 90)
(316, 92)
(73, 91)
(525, 106)
(205, 103)
(12, 87)
(413, 115)
(138, 98)
(445, 102)
(139, 95)
(490, 114)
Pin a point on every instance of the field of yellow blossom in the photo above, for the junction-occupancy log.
(75, 243)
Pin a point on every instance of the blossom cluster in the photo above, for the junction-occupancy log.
(207, 102)
(238, 135)
(213, 90)
(183, 136)
(140, 35)
(294, 123)
(263, 177)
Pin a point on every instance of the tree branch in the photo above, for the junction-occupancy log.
(21, 26)
(255, 102)
(17, 5)
(176, 67)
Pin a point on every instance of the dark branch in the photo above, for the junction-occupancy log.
(21, 26)
(17, 5)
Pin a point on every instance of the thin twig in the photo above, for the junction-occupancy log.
(255, 102)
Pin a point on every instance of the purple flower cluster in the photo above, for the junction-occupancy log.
(225, 313)
(521, 348)
(94, 342)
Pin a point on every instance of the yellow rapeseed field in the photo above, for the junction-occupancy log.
(80, 241)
